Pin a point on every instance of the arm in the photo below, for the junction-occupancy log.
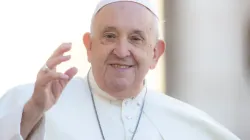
(21, 110)
(31, 119)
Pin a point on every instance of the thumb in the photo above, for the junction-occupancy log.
(71, 72)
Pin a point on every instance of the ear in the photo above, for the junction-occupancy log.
(159, 49)
(87, 43)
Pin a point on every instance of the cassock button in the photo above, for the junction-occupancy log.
(129, 117)
(131, 130)
(138, 104)
(126, 102)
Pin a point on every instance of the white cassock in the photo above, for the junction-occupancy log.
(73, 117)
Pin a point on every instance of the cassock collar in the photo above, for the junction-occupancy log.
(103, 94)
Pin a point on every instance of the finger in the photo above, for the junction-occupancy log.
(53, 62)
(64, 47)
(44, 79)
(71, 72)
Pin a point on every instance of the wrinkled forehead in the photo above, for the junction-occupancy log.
(124, 16)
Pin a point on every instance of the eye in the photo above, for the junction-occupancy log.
(136, 39)
(109, 35)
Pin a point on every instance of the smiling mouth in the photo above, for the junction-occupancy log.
(121, 66)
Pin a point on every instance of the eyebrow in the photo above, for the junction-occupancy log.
(141, 33)
(109, 28)
(112, 28)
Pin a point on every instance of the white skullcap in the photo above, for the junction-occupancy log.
(146, 3)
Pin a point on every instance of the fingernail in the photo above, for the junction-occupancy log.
(66, 57)
(67, 45)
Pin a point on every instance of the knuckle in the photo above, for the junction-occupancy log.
(49, 62)
(52, 75)
(55, 61)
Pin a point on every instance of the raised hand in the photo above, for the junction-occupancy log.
(48, 88)
(50, 83)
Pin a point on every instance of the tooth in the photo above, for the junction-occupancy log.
(120, 66)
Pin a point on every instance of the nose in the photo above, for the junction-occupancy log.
(121, 50)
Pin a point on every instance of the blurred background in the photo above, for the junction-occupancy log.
(206, 64)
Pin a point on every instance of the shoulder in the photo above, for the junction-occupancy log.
(17, 95)
(173, 110)
(77, 84)
(168, 103)
(76, 89)
(19, 90)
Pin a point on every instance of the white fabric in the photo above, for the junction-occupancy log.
(146, 3)
(73, 117)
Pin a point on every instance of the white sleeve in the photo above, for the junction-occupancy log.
(11, 109)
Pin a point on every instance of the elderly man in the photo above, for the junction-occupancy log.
(113, 101)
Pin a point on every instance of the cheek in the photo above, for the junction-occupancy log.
(142, 57)
(99, 54)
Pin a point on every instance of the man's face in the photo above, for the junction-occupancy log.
(123, 47)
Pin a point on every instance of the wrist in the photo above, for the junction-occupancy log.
(31, 107)
(30, 118)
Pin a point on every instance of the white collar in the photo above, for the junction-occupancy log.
(97, 90)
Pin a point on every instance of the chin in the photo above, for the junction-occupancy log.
(118, 84)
